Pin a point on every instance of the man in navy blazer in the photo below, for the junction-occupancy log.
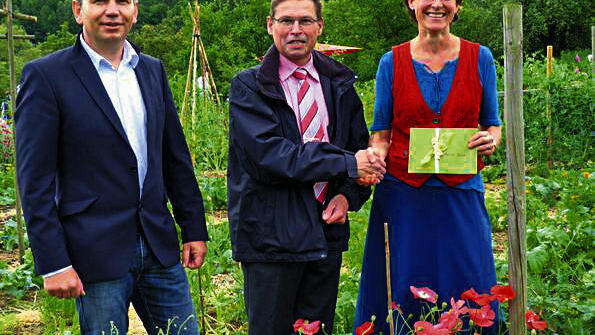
(100, 150)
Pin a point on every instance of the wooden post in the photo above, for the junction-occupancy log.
(391, 321)
(593, 51)
(10, 37)
(13, 85)
(548, 110)
(515, 152)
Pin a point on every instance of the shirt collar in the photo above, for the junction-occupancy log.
(287, 68)
(129, 57)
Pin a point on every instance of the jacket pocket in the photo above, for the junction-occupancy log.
(75, 207)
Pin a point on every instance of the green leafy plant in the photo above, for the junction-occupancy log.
(19, 280)
(9, 239)
(7, 185)
(559, 254)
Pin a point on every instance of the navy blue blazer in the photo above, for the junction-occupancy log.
(78, 175)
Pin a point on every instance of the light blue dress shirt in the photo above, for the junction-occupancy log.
(124, 92)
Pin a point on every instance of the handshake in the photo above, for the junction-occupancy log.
(370, 167)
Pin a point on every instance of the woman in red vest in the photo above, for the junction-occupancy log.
(439, 229)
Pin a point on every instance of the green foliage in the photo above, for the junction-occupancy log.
(214, 192)
(367, 92)
(19, 280)
(222, 284)
(170, 40)
(234, 37)
(374, 26)
(562, 24)
(51, 15)
(8, 324)
(23, 52)
(205, 128)
(9, 239)
(60, 39)
(152, 12)
(573, 113)
(234, 31)
(560, 262)
(7, 185)
(351, 270)
(59, 316)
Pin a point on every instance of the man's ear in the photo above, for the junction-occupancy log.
(134, 19)
(321, 24)
(76, 11)
(270, 25)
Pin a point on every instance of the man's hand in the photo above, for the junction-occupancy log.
(193, 254)
(370, 165)
(336, 211)
(378, 144)
(65, 284)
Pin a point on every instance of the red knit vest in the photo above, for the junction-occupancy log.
(460, 110)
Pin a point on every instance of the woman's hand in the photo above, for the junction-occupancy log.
(378, 145)
(486, 140)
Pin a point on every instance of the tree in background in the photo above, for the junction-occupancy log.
(51, 14)
(374, 26)
(234, 31)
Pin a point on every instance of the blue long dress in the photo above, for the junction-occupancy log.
(440, 236)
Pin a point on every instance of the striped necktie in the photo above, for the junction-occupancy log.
(310, 124)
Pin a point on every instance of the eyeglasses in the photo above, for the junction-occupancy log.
(290, 21)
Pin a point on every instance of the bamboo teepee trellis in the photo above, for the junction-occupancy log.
(198, 58)
(210, 98)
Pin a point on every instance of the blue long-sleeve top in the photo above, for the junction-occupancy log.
(435, 87)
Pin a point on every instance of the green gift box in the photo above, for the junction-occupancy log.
(441, 150)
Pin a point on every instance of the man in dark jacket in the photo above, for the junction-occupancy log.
(295, 122)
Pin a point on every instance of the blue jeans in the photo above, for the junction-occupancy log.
(160, 296)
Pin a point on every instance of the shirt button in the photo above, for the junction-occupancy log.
(435, 120)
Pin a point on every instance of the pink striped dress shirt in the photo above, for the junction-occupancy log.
(290, 88)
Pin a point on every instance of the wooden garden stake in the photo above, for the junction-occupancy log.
(593, 51)
(10, 14)
(388, 285)
(548, 111)
(202, 302)
(187, 89)
(198, 56)
(515, 153)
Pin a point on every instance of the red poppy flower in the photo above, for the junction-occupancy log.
(306, 327)
(533, 320)
(483, 317)
(450, 321)
(366, 328)
(426, 328)
(502, 292)
(396, 307)
(481, 299)
(424, 293)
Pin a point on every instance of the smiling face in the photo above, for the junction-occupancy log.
(434, 15)
(296, 41)
(105, 22)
